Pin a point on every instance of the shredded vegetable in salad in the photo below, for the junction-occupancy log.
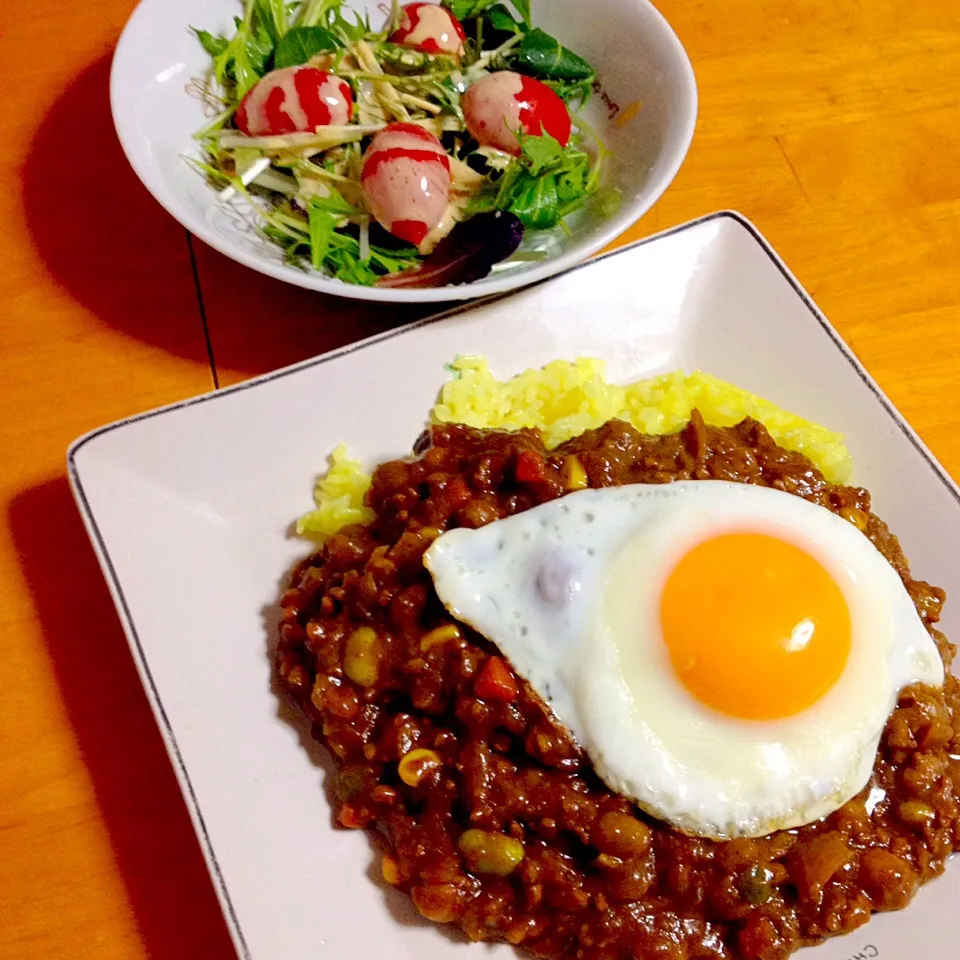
(414, 155)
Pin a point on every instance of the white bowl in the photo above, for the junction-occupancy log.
(638, 58)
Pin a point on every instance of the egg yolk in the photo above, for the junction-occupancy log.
(755, 627)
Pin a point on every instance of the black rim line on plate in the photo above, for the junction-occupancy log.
(114, 581)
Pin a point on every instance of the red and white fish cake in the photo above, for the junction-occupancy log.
(406, 180)
(294, 100)
(501, 103)
(430, 28)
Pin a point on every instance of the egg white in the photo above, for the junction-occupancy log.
(570, 593)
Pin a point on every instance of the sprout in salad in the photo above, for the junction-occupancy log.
(367, 153)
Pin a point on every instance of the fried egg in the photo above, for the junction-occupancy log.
(727, 655)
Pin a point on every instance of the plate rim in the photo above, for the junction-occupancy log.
(74, 476)
(613, 226)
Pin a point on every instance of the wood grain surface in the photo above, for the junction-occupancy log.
(835, 127)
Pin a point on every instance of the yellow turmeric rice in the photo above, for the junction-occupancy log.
(565, 398)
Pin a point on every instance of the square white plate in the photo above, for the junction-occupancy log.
(189, 508)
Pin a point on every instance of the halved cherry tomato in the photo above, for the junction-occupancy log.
(294, 100)
(501, 103)
(430, 28)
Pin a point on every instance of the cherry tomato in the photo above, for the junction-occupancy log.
(430, 28)
(294, 100)
(406, 180)
(501, 103)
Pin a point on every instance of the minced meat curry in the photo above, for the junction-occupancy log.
(492, 817)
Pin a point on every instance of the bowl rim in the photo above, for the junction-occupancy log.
(615, 225)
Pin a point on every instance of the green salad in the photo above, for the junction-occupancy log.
(417, 154)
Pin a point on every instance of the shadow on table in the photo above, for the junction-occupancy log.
(152, 837)
(258, 324)
(110, 245)
(104, 239)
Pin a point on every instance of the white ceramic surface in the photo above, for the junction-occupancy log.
(637, 56)
(189, 509)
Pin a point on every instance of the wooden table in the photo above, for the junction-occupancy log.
(834, 126)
